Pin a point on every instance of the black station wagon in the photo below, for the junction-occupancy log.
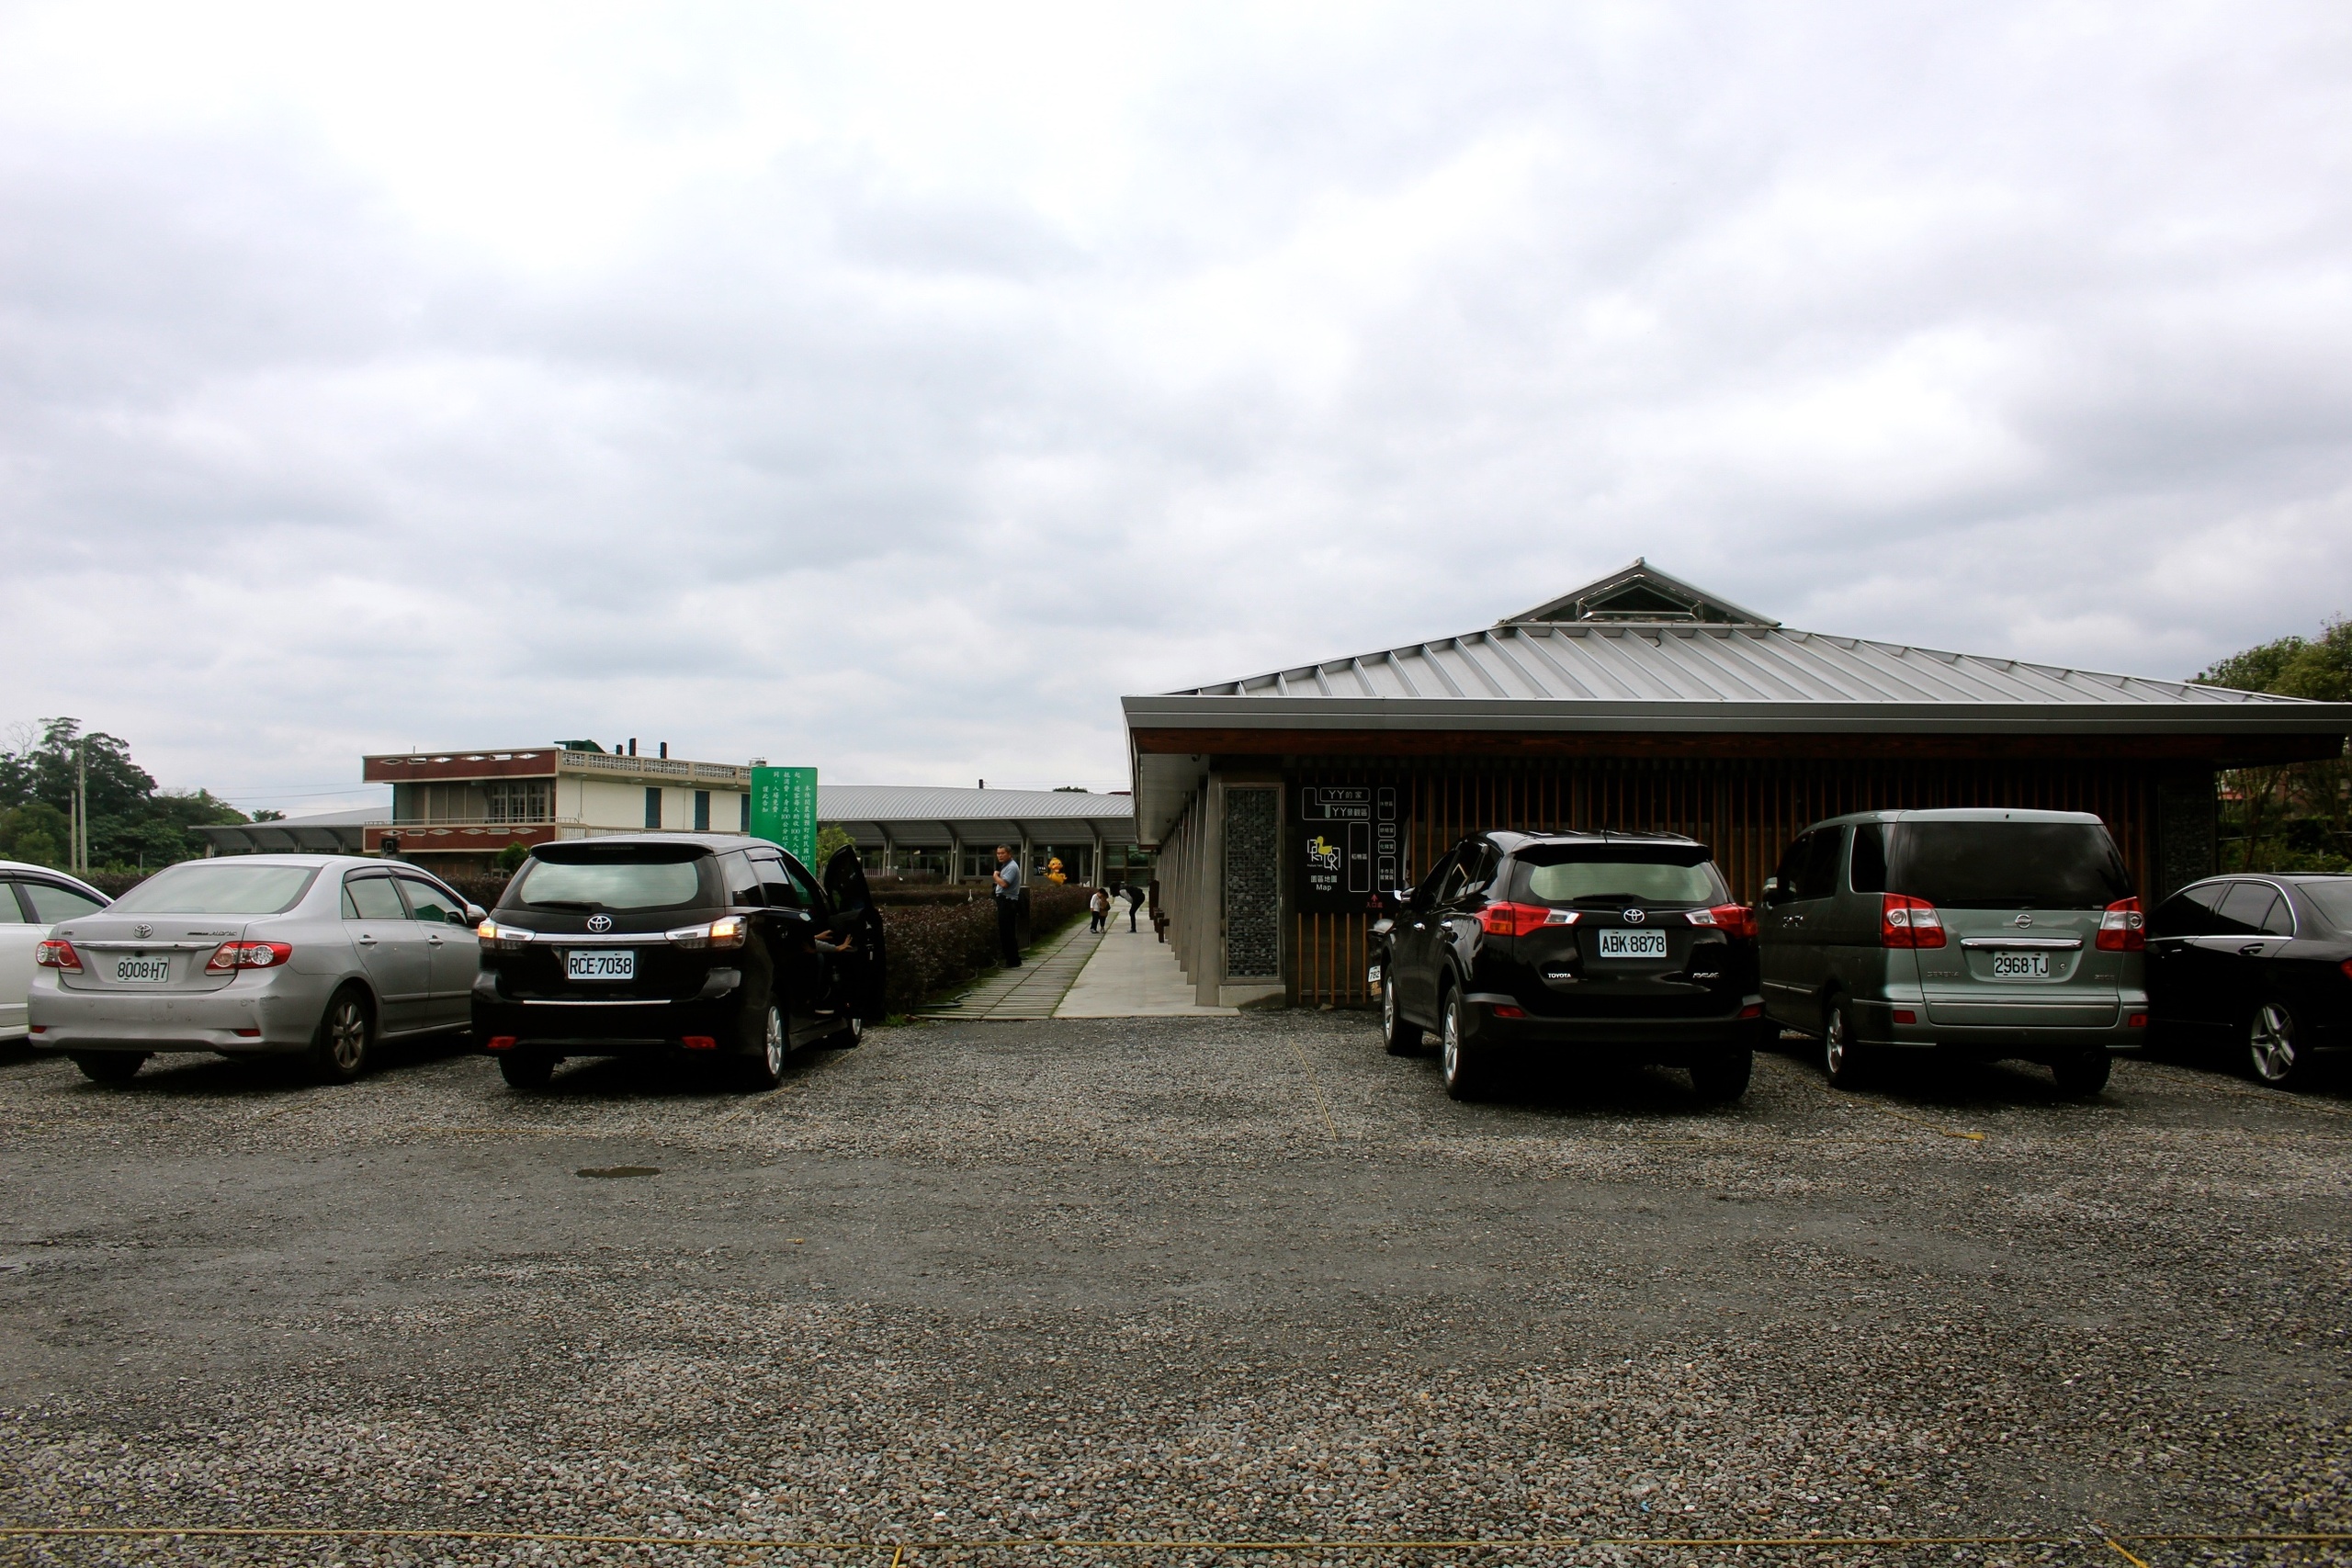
(709, 945)
(1584, 947)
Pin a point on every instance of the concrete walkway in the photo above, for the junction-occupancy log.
(1133, 975)
(1034, 990)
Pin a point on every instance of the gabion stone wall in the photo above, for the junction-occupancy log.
(1252, 884)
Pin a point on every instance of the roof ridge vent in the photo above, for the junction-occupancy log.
(1641, 592)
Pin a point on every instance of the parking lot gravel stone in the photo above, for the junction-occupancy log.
(1203, 1282)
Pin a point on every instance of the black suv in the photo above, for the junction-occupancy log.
(704, 943)
(1603, 946)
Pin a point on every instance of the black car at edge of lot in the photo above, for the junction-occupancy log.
(2258, 963)
(1583, 947)
(711, 945)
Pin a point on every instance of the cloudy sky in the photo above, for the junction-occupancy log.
(891, 388)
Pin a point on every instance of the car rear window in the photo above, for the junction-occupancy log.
(1616, 877)
(217, 887)
(2009, 865)
(2334, 901)
(616, 882)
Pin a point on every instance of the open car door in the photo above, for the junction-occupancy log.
(853, 907)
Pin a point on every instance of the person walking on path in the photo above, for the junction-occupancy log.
(1008, 907)
(1098, 911)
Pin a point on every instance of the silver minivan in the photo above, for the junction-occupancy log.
(1988, 933)
(309, 957)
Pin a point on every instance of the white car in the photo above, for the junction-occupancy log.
(32, 899)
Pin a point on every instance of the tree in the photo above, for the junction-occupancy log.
(133, 825)
(2294, 818)
(832, 838)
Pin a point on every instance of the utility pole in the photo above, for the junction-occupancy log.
(81, 805)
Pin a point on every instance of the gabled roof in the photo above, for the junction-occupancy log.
(1640, 592)
(922, 817)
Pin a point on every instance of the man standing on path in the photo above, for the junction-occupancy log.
(1135, 902)
(1008, 908)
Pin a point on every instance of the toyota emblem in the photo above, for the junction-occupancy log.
(1635, 917)
(600, 922)
(142, 930)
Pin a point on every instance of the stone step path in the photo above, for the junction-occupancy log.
(1033, 990)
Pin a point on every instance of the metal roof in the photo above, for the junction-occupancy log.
(1681, 662)
(920, 816)
(330, 832)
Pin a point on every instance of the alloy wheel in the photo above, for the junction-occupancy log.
(2271, 1043)
(347, 1036)
(1834, 1044)
(775, 1041)
(1387, 1006)
(1451, 1035)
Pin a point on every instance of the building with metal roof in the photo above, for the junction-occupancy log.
(326, 833)
(954, 832)
(1640, 701)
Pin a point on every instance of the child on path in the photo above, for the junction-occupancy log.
(1097, 910)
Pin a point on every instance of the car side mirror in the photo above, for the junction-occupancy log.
(1771, 893)
(474, 915)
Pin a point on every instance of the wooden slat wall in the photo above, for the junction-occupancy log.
(1746, 811)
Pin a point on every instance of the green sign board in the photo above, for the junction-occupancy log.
(784, 811)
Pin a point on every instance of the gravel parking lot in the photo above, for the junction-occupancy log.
(1232, 1280)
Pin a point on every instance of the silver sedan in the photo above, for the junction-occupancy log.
(317, 956)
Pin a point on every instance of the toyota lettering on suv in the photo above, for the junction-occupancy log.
(1592, 947)
(706, 944)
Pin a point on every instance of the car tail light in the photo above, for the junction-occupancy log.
(2347, 967)
(499, 1043)
(246, 1033)
(502, 939)
(1905, 1015)
(2136, 1021)
(2124, 928)
(232, 955)
(58, 955)
(699, 1042)
(1753, 1010)
(1905, 921)
(1513, 920)
(725, 933)
(1732, 919)
(1503, 1010)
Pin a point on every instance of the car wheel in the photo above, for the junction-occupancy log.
(1719, 1080)
(527, 1069)
(346, 1037)
(2082, 1075)
(764, 1068)
(851, 1034)
(1464, 1076)
(2274, 1048)
(110, 1066)
(1402, 1038)
(1841, 1058)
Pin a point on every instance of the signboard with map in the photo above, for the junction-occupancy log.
(1350, 844)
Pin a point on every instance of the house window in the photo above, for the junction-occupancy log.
(702, 811)
(653, 805)
(522, 800)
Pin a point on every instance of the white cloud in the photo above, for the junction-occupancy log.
(894, 389)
